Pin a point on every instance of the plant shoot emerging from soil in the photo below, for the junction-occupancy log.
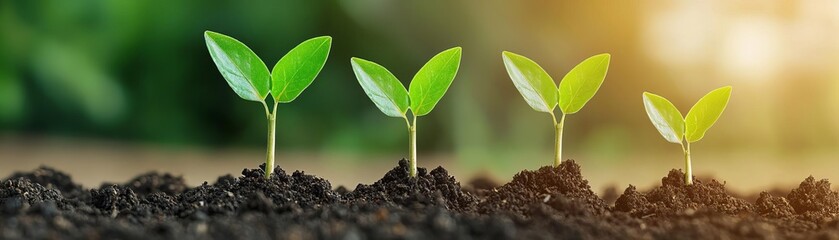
(427, 88)
(542, 94)
(248, 75)
(684, 131)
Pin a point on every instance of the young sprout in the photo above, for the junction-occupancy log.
(541, 93)
(675, 129)
(426, 89)
(248, 76)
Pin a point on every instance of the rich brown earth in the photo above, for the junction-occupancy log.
(549, 203)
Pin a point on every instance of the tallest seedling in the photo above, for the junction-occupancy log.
(541, 93)
(391, 97)
(250, 79)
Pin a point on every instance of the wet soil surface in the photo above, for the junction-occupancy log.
(548, 203)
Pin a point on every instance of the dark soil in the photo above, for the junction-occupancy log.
(549, 203)
(562, 188)
(674, 197)
(398, 188)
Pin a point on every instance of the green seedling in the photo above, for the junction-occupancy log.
(684, 131)
(248, 75)
(542, 94)
(427, 88)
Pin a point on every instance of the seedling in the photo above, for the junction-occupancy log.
(541, 93)
(248, 75)
(426, 89)
(684, 131)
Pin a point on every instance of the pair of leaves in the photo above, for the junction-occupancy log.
(669, 122)
(248, 76)
(540, 91)
(426, 89)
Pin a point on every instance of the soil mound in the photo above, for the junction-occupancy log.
(51, 178)
(282, 192)
(114, 199)
(562, 187)
(436, 188)
(814, 200)
(675, 197)
(154, 182)
(15, 193)
(773, 207)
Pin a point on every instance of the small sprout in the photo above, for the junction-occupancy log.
(248, 76)
(541, 93)
(675, 129)
(426, 89)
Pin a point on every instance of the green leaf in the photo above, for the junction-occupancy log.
(243, 70)
(433, 79)
(705, 113)
(298, 68)
(582, 82)
(665, 117)
(382, 87)
(534, 84)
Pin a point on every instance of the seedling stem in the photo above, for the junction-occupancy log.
(558, 138)
(688, 170)
(412, 145)
(272, 125)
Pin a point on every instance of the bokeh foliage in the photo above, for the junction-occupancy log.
(137, 71)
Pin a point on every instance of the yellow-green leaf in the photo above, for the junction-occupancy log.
(298, 68)
(243, 70)
(432, 80)
(705, 113)
(582, 82)
(382, 87)
(665, 117)
(534, 84)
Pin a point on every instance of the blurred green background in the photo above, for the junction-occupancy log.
(128, 86)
